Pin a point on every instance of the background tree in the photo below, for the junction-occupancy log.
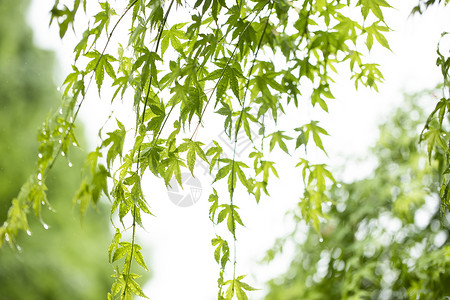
(67, 261)
(385, 238)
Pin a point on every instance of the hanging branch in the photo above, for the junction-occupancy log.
(205, 59)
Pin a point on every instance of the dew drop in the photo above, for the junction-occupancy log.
(39, 176)
(40, 155)
(60, 141)
(74, 144)
(58, 88)
(45, 226)
(28, 232)
(40, 182)
(19, 248)
(60, 129)
(61, 111)
(70, 164)
(321, 240)
(7, 237)
(63, 153)
(42, 202)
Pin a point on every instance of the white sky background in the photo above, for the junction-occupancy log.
(177, 242)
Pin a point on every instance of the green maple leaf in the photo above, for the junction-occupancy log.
(277, 139)
(116, 140)
(315, 130)
(100, 64)
(193, 149)
(173, 166)
(173, 35)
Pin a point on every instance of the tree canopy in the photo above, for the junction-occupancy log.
(384, 238)
(185, 66)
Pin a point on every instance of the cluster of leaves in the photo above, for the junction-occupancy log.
(435, 133)
(377, 243)
(423, 5)
(175, 73)
(55, 138)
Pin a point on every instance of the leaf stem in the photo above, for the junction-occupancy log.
(127, 274)
(223, 72)
(235, 147)
(132, 251)
(161, 28)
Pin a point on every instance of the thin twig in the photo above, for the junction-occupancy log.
(75, 115)
(235, 145)
(140, 147)
(223, 72)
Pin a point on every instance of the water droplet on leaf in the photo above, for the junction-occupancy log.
(28, 232)
(70, 164)
(321, 240)
(45, 226)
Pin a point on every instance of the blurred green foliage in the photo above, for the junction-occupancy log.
(67, 261)
(385, 237)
